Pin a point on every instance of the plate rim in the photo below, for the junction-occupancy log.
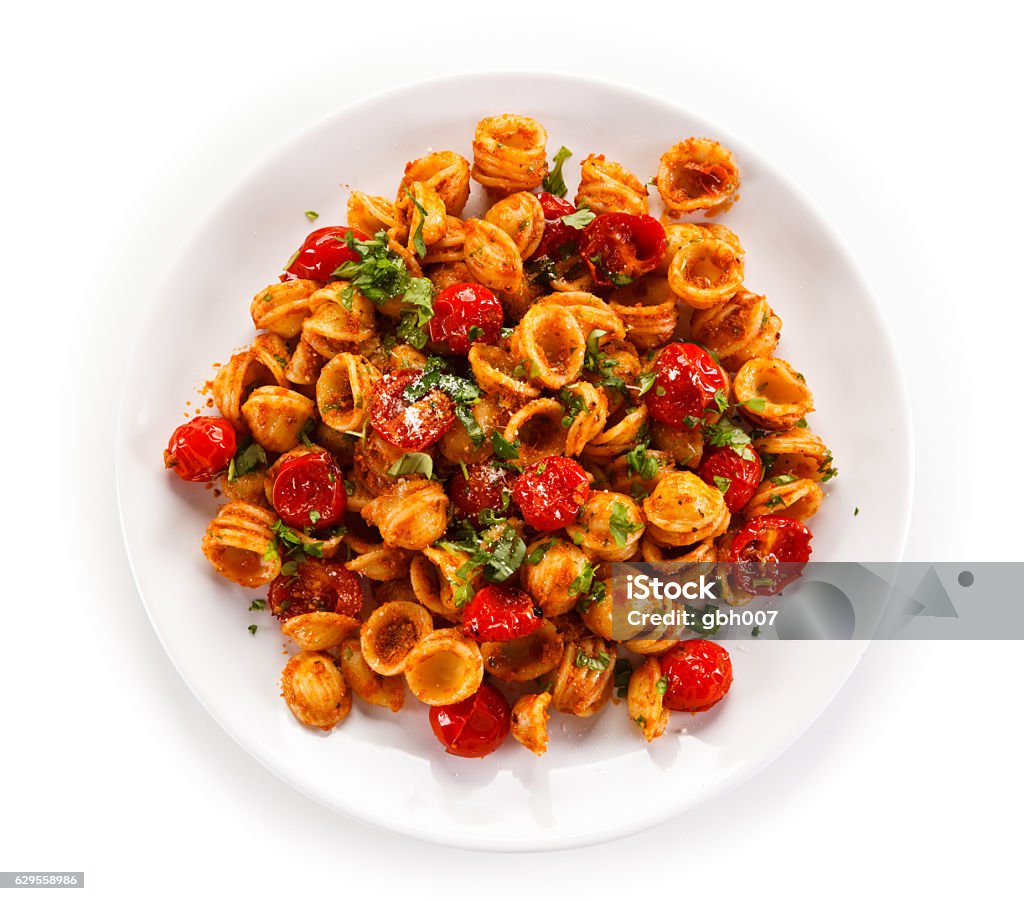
(481, 842)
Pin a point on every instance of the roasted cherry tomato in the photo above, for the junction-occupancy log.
(698, 673)
(771, 551)
(323, 251)
(560, 241)
(686, 379)
(735, 476)
(482, 487)
(621, 247)
(500, 613)
(551, 492)
(316, 585)
(309, 491)
(474, 727)
(466, 313)
(409, 425)
(199, 449)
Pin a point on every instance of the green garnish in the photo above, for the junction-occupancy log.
(553, 182)
(413, 464)
(620, 524)
(600, 661)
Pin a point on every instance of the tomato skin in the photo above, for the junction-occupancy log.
(501, 613)
(482, 487)
(316, 585)
(559, 241)
(409, 426)
(551, 492)
(773, 550)
(474, 727)
(686, 380)
(307, 485)
(744, 475)
(463, 306)
(621, 247)
(201, 448)
(323, 251)
(698, 673)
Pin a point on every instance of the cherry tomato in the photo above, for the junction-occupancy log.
(482, 487)
(621, 247)
(309, 491)
(199, 449)
(698, 673)
(742, 475)
(463, 308)
(560, 241)
(474, 727)
(686, 380)
(772, 551)
(551, 492)
(411, 426)
(500, 613)
(316, 585)
(323, 251)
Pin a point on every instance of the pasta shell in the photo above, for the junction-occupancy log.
(451, 246)
(371, 214)
(648, 310)
(509, 154)
(343, 391)
(797, 452)
(391, 632)
(584, 679)
(496, 371)
(523, 659)
(281, 307)
(538, 428)
(319, 630)
(427, 218)
(799, 499)
(552, 343)
(413, 515)
(590, 421)
(521, 217)
(609, 526)
(686, 446)
(339, 322)
(618, 438)
(645, 701)
(530, 722)
(609, 187)
(241, 546)
(492, 256)
(233, 382)
(315, 690)
(457, 445)
(683, 510)
(697, 174)
(589, 311)
(445, 667)
(380, 563)
(381, 691)
(275, 416)
(706, 273)
(772, 394)
(742, 328)
(549, 581)
(444, 171)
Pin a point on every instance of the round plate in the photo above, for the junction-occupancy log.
(388, 769)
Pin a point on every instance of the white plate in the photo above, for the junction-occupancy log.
(389, 770)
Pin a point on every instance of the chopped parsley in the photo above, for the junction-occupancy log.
(413, 464)
(782, 480)
(774, 500)
(598, 362)
(379, 274)
(504, 450)
(312, 215)
(620, 525)
(553, 182)
(417, 239)
(643, 464)
(726, 434)
(258, 604)
(623, 673)
(618, 279)
(250, 456)
(474, 333)
(581, 218)
(722, 483)
(599, 662)
(294, 546)
(645, 381)
(417, 311)
(827, 470)
(573, 405)
(537, 554)
(497, 559)
(252, 629)
(721, 401)
(662, 685)
(755, 403)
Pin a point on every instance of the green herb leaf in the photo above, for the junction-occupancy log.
(537, 554)
(581, 218)
(379, 274)
(252, 629)
(727, 434)
(662, 685)
(417, 239)
(599, 662)
(553, 182)
(312, 215)
(413, 464)
(258, 604)
(645, 381)
(623, 673)
(620, 525)
(504, 450)
(248, 457)
(722, 483)
(782, 480)
(755, 403)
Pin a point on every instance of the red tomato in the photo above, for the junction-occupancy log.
(551, 492)
(411, 426)
(686, 380)
(621, 247)
(698, 673)
(199, 449)
(309, 491)
(460, 308)
(474, 727)
(772, 551)
(323, 251)
(483, 487)
(560, 241)
(499, 613)
(743, 475)
(316, 585)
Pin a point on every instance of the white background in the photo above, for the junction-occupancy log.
(126, 120)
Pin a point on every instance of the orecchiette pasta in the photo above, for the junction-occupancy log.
(772, 394)
(697, 174)
(609, 187)
(434, 488)
(509, 154)
(530, 722)
(445, 667)
(315, 691)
